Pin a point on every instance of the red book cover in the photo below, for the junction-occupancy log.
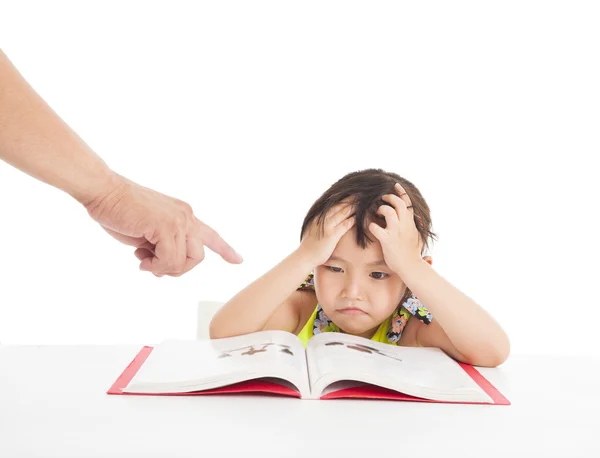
(261, 386)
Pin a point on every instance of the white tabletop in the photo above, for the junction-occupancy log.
(53, 404)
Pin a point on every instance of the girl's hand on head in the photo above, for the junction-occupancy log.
(319, 243)
(400, 240)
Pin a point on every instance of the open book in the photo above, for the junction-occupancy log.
(333, 365)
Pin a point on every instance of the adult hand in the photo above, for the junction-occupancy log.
(169, 239)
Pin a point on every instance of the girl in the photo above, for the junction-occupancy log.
(360, 269)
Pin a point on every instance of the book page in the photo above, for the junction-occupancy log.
(417, 371)
(191, 365)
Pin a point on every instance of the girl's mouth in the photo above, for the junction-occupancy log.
(351, 311)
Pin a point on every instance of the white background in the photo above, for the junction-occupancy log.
(249, 110)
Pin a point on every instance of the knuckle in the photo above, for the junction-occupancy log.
(184, 206)
(187, 211)
(180, 221)
(166, 229)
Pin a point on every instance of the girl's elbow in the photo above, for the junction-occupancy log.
(216, 330)
(221, 327)
(213, 331)
(488, 354)
(502, 351)
(494, 359)
(495, 355)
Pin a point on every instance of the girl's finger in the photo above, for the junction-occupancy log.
(390, 215)
(404, 196)
(341, 213)
(398, 204)
(345, 226)
(377, 231)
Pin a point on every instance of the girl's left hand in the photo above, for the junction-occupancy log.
(400, 240)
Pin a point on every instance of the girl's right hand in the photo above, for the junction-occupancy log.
(319, 244)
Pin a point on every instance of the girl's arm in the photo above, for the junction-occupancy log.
(269, 302)
(460, 326)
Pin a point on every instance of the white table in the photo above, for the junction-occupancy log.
(53, 404)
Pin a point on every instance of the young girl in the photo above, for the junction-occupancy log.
(360, 269)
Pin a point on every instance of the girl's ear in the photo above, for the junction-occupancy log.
(428, 260)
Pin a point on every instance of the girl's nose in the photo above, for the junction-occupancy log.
(352, 289)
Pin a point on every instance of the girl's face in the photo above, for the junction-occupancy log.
(356, 288)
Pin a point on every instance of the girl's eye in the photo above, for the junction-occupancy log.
(334, 269)
(379, 275)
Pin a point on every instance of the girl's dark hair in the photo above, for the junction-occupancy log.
(364, 189)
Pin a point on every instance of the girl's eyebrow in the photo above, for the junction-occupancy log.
(379, 262)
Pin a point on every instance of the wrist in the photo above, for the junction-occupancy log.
(411, 271)
(98, 184)
(305, 258)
